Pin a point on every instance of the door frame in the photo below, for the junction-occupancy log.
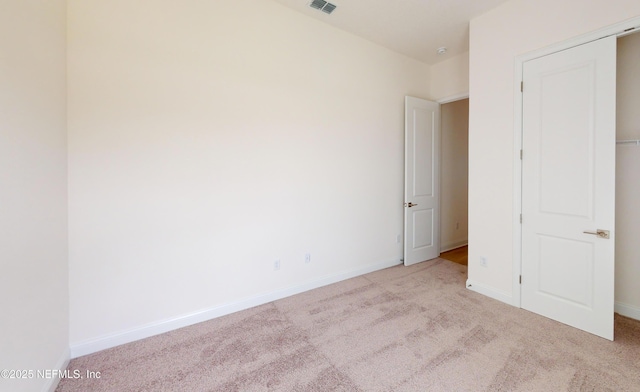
(626, 27)
(453, 98)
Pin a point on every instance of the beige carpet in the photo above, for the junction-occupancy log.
(401, 329)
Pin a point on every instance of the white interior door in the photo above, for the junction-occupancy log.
(568, 188)
(421, 181)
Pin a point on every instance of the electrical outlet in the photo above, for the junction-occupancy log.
(483, 261)
(398, 238)
(276, 265)
(307, 258)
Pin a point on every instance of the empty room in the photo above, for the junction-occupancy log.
(253, 195)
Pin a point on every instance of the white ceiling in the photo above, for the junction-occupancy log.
(416, 28)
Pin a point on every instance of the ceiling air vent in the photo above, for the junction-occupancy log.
(318, 4)
(328, 8)
(322, 6)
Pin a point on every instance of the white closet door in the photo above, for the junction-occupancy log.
(568, 189)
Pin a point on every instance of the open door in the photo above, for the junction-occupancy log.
(568, 186)
(421, 180)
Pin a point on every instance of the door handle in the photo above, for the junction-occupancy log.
(409, 204)
(599, 233)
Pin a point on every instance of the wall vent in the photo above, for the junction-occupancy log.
(323, 6)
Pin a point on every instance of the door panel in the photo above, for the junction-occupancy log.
(568, 173)
(566, 141)
(577, 259)
(422, 228)
(422, 154)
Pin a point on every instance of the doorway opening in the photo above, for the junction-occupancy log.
(627, 227)
(454, 181)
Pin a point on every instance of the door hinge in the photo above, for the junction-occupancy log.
(522, 86)
(520, 218)
(520, 279)
(521, 154)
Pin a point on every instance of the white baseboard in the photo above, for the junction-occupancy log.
(620, 308)
(627, 310)
(490, 292)
(112, 340)
(62, 364)
(453, 245)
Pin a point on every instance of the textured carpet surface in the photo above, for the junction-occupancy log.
(401, 329)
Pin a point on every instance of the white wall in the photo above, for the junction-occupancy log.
(628, 174)
(454, 174)
(208, 139)
(33, 190)
(497, 37)
(450, 78)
